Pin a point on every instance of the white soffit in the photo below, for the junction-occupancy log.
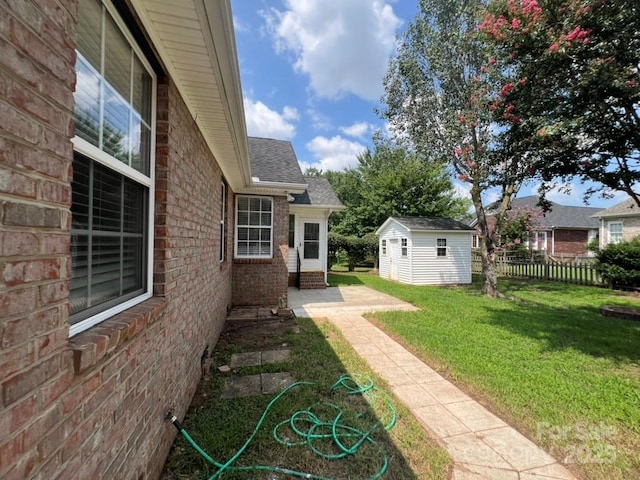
(195, 39)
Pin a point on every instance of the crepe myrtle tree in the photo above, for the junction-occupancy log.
(573, 70)
(440, 96)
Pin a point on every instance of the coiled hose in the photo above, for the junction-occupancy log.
(316, 430)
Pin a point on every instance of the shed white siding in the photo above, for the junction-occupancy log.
(421, 265)
(429, 269)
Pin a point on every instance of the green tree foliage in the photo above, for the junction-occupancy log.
(519, 224)
(619, 264)
(573, 82)
(357, 250)
(439, 94)
(390, 181)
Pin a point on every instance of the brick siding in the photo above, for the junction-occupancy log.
(264, 281)
(308, 280)
(573, 242)
(92, 406)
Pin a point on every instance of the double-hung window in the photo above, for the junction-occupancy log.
(254, 227)
(113, 169)
(615, 232)
(441, 247)
(404, 248)
(384, 246)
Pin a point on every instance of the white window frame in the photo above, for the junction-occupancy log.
(404, 247)
(610, 237)
(384, 246)
(248, 256)
(439, 247)
(537, 236)
(474, 241)
(87, 149)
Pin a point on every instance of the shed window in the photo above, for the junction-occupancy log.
(384, 247)
(441, 250)
(403, 247)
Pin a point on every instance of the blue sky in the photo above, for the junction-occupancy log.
(312, 74)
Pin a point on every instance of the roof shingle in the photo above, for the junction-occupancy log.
(274, 161)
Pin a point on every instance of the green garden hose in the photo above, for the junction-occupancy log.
(316, 430)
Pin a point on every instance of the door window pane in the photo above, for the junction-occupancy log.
(311, 240)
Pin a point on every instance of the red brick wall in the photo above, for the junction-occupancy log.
(570, 241)
(36, 103)
(92, 406)
(312, 280)
(264, 281)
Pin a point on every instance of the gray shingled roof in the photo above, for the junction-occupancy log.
(628, 207)
(319, 192)
(274, 161)
(424, 223)
(560, 216)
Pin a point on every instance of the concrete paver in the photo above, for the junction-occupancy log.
(482, 446)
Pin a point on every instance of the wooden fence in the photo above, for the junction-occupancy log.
(579, 271)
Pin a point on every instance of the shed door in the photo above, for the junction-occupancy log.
(394, 258)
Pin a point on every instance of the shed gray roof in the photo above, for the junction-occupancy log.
(628, 207)
(319, 192)
(560, 216)
(274, 161)
(424, 223)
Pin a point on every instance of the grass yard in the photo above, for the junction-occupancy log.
(544, 359)
(319, 354)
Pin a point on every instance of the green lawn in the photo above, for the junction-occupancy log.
(319, 354)
(543, 358)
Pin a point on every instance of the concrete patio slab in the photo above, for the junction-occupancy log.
(482, 446)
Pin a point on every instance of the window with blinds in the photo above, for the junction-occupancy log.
(112, 169)
(253, 227)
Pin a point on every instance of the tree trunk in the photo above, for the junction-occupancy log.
(487, 247)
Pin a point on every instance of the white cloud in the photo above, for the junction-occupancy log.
(342, 45)
(335, 153)
(264, 122)
(358, 129)
(319, 121)
(239, 26)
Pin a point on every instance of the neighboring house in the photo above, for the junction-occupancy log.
(618, 223)
(133, 215)
(425, 251)
(275, 161)
(560, 230)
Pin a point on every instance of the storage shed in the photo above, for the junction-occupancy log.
(425, 251)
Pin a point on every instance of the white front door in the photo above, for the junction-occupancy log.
(311, 245)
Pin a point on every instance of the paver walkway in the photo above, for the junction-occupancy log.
(482, 446)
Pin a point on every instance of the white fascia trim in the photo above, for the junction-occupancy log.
(273, 188)
(331, 208)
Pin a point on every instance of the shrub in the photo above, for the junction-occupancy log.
(356, 249)
(619, 264)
